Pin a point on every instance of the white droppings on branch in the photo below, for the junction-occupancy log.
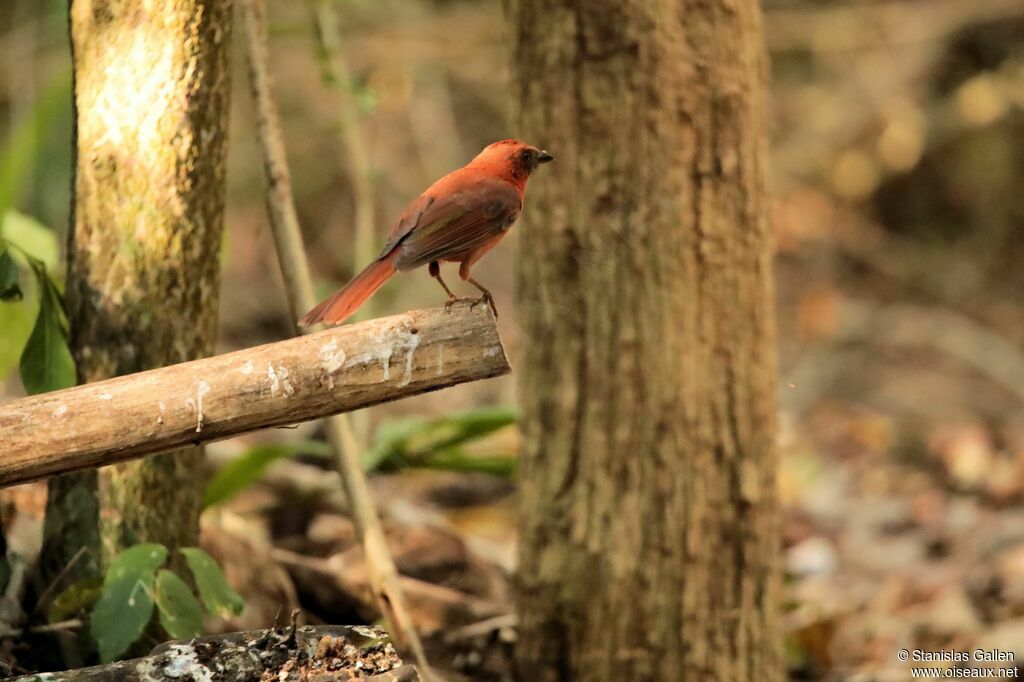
(160, 417)
(60, 411)
(275, 382)
(331, 360)
(395, 336)
(286, 385)
(492, 351)
(106, 396)
(440, 360)
(384, 358)
(413, 343)
(196, 404)
(361, 359)
(247, 368)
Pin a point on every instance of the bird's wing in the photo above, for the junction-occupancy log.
(457, 214)
(407, 222)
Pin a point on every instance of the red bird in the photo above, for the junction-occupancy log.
(458, 219)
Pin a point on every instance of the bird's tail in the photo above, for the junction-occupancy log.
(347, 300)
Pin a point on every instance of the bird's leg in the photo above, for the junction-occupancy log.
(486, 294)
(435, 272)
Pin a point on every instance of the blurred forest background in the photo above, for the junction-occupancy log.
(897, 164)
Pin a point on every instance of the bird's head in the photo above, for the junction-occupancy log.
(513, 157)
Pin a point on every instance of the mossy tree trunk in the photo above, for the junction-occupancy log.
(648, 506)
(151, 103)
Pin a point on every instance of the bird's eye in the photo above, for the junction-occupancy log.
(525, 155)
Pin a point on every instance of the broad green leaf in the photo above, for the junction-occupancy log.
(217, 595)
(15, 326)
(46, 362)
(180, 613)
(137, 560)
(30, 237)
(248, 467)
(17, 321)
(121, 614)
(77, 597)
(9, 289)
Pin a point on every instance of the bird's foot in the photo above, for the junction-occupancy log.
(486, 298)
(452, 300)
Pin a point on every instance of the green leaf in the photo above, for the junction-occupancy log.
(416, 442)
(9, 289)
(248, 467)
(217, 595)
(31, 238)
(15, 326)
(180, 613)
(391, 439)
(25, 239)
(465, 427)
(46, 362)
(77, 597)
(141, 559)
(456, 459)
(121, 614)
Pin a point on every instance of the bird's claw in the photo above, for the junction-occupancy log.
(486, 298)
(473, 302)
(452, 300)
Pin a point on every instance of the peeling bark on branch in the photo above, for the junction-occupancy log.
(333, 371)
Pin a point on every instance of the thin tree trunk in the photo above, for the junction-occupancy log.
(151, 101)
(647, 505)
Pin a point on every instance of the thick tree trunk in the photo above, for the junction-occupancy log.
(648, 504)
(151, 100)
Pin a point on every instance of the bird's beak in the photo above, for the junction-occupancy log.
(544, 157)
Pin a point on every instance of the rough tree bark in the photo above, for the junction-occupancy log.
(151, 114)
(647, 503)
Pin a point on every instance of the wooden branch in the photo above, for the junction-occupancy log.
(304, 378)
(326, 653)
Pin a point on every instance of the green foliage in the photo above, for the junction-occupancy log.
(9, 289)
(180, 613)
(38, 341)
(80, 596)
(24, 146)
(30, 239)
(135, 561)
(441, 443)
(246, 469)
(135, 585)
(122, 614)
(46, 363)
(25, 141)
(217, 595)
(125, 606)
